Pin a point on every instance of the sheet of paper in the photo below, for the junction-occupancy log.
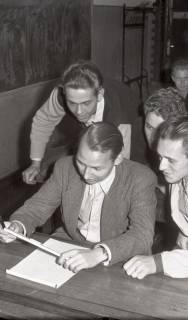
(41, 267)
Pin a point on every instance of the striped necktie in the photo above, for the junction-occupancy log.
(86, 211)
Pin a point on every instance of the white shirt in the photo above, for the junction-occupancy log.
(98, 116)
(175, 262)
(179, 209)
(89, 227)
(125, 129)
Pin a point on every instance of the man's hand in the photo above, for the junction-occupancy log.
(14, 226)
(30, 174)
(140, 266)
(76, 260)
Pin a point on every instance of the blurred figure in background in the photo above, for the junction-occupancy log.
(179, 75)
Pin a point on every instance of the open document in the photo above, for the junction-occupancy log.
(41, 267)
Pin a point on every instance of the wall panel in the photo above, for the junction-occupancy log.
(38, 39)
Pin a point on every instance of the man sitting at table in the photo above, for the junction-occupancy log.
(158, 107)
(106, 203)
(172, 148)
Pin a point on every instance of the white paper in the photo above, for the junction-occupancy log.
(41, 267)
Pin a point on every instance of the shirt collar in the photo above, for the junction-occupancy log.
(98, 116)
(182, 182)
(107, 182)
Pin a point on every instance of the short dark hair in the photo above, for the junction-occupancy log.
(103, 136)
(180, 64)
(81, 75)
(165, 102)
(175, 128)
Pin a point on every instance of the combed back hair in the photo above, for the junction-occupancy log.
(175, 128)
(103, 136)
(82, 75)
(180, 64)
(165, 102)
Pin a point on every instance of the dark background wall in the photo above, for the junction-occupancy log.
(124, 48)
(107, 39)
(38, 39)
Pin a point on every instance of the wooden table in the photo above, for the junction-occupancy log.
(90, 294)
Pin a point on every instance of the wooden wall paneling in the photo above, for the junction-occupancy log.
(38, 39)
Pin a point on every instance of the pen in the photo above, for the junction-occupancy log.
(33, 242)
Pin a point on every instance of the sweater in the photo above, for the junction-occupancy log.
(120, 107)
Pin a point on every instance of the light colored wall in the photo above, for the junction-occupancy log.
(16, 110)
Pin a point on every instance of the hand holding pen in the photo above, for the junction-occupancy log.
(14, 226)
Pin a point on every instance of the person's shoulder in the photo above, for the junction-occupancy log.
(137, 170)
(64, 162)
(54, 92)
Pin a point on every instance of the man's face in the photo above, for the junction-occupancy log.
(93, 166)
(173, 161)
(180, 78)
(82, 102)
(152, 121)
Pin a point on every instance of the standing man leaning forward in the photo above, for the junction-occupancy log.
(172, 148)
(82, 97)
(106, 203)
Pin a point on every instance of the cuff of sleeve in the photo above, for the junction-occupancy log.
(24, 229)
(158, 261)
(107, 251)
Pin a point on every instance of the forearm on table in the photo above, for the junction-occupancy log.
(25, 217)
(126, 246)
(136, 239)
(175, 263)
(107, 256)
(41, 206)
(30, 218)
